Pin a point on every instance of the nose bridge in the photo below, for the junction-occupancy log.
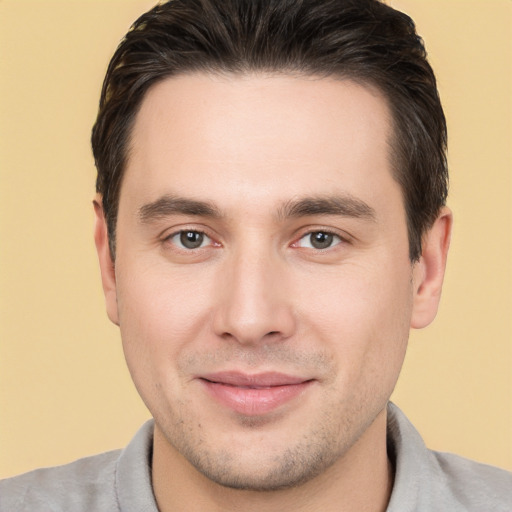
(255, 305)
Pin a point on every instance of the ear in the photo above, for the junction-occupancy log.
(107, 268)
(428, 272)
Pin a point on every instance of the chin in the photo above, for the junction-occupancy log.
(291, 468)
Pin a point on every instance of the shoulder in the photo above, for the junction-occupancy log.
(473, 483)
(427, 480)
(116, 480)
(86, 484)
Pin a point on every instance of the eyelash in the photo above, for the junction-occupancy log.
(295, 244)
(322, 231)
(185, 231)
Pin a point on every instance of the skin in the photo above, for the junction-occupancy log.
(239, 156)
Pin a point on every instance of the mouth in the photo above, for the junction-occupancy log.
(254, 395)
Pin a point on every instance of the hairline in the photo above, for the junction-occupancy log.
(226, 73)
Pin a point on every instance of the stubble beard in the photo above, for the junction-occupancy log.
(312, 447)
(310, 455)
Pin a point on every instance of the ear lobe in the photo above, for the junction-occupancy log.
(107, 268)
(428, 272)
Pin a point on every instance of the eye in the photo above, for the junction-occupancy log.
(319, 240)
(189, 239)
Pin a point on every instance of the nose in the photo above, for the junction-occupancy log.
(254, 304)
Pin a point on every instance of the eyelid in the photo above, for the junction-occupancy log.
(309, 230)
(176, 240)
(169, 234)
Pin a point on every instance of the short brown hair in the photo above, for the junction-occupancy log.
(364, 40)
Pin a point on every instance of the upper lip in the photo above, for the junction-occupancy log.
(258, 380)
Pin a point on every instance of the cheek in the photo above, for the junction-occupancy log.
(160, 314)
(363, 315)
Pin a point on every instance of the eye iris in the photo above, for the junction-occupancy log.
(321, 240)
(191, 239)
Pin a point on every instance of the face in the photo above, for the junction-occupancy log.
(262, 281)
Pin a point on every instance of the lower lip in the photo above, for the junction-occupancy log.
(254, 401)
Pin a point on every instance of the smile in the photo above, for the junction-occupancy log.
(254, 395)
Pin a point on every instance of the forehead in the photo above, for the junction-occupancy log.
(249, 134)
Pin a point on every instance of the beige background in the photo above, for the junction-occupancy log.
(64, 389)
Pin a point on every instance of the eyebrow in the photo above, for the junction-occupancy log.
(346, 206)
(170, 205)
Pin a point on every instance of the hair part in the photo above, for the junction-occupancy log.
(363, 40)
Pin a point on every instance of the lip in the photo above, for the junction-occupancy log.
(256, 394)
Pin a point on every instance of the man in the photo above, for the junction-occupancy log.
(270, 222)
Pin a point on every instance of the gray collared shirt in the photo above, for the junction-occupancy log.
(121, 480)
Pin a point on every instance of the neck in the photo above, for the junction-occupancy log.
(359, 481)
